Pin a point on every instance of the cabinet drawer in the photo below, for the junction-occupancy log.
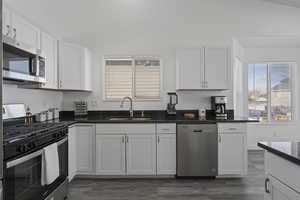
(232, 127)
(166, 128)
(125, 128)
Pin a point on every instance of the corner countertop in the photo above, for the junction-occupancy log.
(156, 117)
(289, 150)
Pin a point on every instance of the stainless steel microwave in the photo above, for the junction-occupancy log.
(20, 65)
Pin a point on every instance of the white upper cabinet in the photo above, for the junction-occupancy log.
(49, 51)
(190, 69)
(6, 21)
(202, 69)
(24, 32)
(216, 68)
(20, 32)
(74, 67)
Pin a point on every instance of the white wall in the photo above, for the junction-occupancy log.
(187, 99)
(37, 100)
(284, 131)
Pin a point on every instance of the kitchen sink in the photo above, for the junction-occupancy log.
(130, 118)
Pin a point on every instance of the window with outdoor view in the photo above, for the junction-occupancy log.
(270, 91)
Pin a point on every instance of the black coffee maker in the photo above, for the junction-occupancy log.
(171, 110)
(218, 105)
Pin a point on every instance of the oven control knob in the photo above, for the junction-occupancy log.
(31, 145)
(62, 133)
(21, 149)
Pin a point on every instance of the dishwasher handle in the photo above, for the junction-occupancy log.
(197, 130)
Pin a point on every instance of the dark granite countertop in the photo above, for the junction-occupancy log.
(287, 150)
(155, 117)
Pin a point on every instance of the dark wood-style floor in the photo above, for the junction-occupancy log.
(248, 188)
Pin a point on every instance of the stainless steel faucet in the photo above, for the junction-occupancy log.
(130, 108)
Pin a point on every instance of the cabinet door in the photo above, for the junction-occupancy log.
(110, 155)
(49, 50)
(166, 154)
(25, 33)
(72, 152)
(141, 155)
(70, 66)
(189, 69)
(216, 68)
(6, 22)
(85, 148)
(231, 154)
(280, 191)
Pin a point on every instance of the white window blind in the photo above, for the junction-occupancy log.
(137, 78)
(118, 78)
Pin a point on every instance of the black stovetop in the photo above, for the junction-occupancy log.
(21, 139)
(14, 133)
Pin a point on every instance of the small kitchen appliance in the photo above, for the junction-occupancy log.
(218, 105)
(171, 108)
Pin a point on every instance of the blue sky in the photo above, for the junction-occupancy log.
(278, 73)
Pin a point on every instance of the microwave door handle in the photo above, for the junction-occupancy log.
(24, 159)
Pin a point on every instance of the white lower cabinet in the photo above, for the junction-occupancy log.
(85, 137)
(232, 150)
(141, 154)
(125, 149)
(166, 154)
(276, 190)
(110, 151)
(72, 152)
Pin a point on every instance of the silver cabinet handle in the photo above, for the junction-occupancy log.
(158, 139)
(267, 181)
(15, 33)
(165, 129)
(219, 138)
(123, 140)
(127, 139)
(8, 30)
(232, 129)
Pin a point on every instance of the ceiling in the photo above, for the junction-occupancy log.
(149, 24)
(292, 3)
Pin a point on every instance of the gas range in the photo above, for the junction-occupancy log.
(20, 139)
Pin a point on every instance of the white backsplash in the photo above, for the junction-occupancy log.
(37, 100)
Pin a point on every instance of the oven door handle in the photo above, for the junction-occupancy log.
(62, 141)
(31, 156)
(24, 159)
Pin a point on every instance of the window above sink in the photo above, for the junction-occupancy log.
(135, 77)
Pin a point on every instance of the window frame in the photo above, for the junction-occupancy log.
(133, 58)
(294, 105)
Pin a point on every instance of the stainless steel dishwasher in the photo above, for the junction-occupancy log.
(197, 150)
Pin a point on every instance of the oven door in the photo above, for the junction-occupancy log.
(22, 178)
